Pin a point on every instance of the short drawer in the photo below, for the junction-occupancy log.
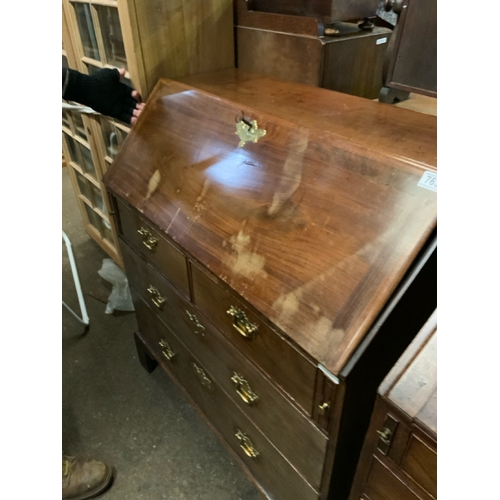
(150, 285)
(295, 436)
(154, 247)
(275, 355)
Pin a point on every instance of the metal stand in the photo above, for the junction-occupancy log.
(85, 318)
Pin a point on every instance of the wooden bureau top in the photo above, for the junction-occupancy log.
(313, 230)
(412, 384)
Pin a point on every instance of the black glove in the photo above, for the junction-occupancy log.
(102, 91)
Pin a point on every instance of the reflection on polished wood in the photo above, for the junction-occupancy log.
(314, 225)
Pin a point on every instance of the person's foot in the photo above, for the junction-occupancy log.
(82, 479)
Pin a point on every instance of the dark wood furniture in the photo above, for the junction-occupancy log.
(329, 11)
(411, 60)
(399, 458)
(294, 48)
(271, 280)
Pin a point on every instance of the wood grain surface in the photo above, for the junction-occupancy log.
(313, 230)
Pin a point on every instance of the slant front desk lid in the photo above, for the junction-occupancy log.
(312, 230)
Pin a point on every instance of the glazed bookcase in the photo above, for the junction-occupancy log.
(150, 39)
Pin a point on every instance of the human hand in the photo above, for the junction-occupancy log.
(109, 96)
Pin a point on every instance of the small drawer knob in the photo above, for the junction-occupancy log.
(385, 435)
(322, 409)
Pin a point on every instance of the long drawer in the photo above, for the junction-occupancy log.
(154, 247)
(295, 436)
(256, 340)
(277, 477)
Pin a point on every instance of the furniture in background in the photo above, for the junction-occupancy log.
(150, 39)
(280, 247)
(411, 61)
(295, 48)
(399, 458)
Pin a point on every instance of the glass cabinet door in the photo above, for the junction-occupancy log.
(111, 33)
(87, 31)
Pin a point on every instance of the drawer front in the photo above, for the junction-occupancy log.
(282, 362)
(148, 284)
(295, 436)
(269, 468)
(154, 247)
(420, 463)
(382, 484)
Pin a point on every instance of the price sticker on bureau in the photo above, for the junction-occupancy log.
(429, 181)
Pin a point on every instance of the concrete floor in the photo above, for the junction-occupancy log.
(115, 412)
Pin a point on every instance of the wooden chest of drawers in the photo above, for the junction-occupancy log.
(399, 458)
(270, 279)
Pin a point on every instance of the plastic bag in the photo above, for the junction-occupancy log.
(120, 297)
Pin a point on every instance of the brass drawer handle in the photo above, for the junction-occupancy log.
(322, 409)
(241, 323)
(246, 445)
(200, 329)
(148, 239)
(385, 435)
(243, 389)
(205, 381)
(167, 350)
(156, 298)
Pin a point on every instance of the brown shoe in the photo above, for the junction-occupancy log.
(84, 479)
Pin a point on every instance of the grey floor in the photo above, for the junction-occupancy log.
(114, 411)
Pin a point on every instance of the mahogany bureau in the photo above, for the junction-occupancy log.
(275, 237)
(399, 457)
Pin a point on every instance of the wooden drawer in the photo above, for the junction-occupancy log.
(384, 485)
(274, 473)
(276, 356)
(148, 283)
(295, 436)
(154, 247)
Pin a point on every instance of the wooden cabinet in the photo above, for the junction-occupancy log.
(295, 48)
(411, 64)
(399, 458)
(271, 271)
(150, 39)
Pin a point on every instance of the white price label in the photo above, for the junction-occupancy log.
(380, 41)
(429, 181)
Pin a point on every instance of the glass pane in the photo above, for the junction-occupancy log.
(65, 118)
(73, 151)
(78, 123)
(88, 164)
(110, 138)
(92, 69)
(93, 218)
(98, 199)
(87, 32)
(106, 232)
(112, 36)
(83, 184)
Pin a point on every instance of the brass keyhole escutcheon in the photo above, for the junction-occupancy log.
(205, 381)
(156, 298)
(241, 323)
(199, 328)
(167, 350)
(148, 239)
(246, 445)
(243, 389)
